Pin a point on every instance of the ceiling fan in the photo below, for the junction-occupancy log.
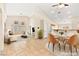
(60, 4)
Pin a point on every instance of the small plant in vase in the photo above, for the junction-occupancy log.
(40, 34)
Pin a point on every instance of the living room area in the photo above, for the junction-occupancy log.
(24, 30)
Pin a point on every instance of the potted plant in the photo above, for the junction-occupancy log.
(40, 34)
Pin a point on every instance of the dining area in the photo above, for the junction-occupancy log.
(65, 41)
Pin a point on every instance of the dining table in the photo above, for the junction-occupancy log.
(62, 36)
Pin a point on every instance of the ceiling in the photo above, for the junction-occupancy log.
(51, 12)
(66, 13)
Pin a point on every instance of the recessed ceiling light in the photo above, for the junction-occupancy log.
(52, 12)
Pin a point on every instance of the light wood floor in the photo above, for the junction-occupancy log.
(29, 47)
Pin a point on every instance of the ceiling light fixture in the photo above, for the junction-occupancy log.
(60, 5)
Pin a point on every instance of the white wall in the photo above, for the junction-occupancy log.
(1, 34)
(75, 22)
(1, 27)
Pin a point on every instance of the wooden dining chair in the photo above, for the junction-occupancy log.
(72, 42)
(53, 41)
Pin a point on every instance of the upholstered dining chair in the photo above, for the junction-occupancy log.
(72, 42)
(53, 41)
